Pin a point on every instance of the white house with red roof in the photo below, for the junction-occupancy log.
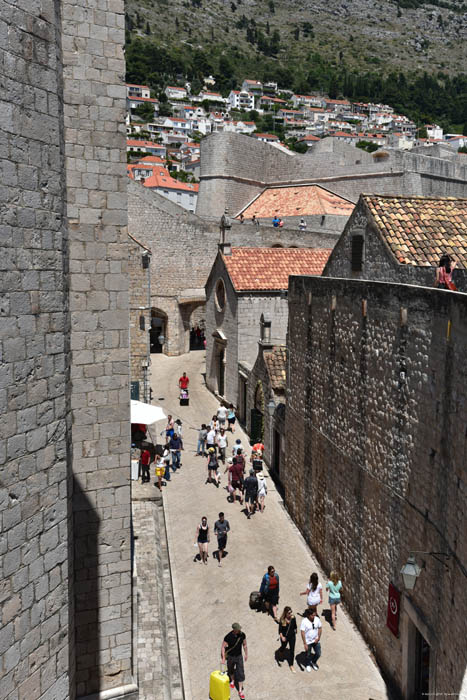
(309, 101)
(241, 99)
(176, 93)
(144, 146)
(182, 193)
(210, 96)
(133, 90)
(266, 138)
(253, 86)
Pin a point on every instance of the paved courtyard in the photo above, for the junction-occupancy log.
(209, 598)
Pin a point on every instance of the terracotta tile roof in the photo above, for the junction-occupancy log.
(276, 365)
(419, 229)
(269, 268)
(301, 200)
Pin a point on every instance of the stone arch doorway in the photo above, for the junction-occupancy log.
(157, 329)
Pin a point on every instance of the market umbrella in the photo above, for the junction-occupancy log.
(146, 413)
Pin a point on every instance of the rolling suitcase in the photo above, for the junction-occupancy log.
(219, 688)
(255, 600)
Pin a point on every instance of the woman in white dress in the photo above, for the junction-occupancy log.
(314, 591)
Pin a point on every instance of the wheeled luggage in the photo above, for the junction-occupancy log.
(184, 397)
(255, 600)
(219, 688)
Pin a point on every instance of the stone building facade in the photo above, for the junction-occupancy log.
(375, 460)
(244, 285)
(139, 269)
(176, 236)
(65, 568)
(236, 168)
(401, 239)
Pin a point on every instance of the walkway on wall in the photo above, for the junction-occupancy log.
(208, 599)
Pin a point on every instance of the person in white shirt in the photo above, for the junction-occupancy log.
(310, 629)
(314, 591)
(211, 439)
(221, 416)
(222, 443)
(238, 445)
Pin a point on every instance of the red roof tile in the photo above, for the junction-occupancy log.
(269, 268)
(276, 364)
(419, 229)
(301, 200)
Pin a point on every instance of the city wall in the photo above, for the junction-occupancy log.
(235, 168)
(65, 568)
(181, 239)
(376, 457)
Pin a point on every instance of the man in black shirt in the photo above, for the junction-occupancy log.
(221, 528)
(251, 491)
(232, 650)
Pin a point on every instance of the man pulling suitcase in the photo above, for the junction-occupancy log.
(232, 651)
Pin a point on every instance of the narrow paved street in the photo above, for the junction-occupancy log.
(208, 599)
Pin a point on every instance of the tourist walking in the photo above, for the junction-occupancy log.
(250, 487)
(169, 428)
(166, 461)
(221, 416)
(231, 650)
(160, 471)
(255, 221)
(310, 630)
(275, 221)
(334, 586)
(236, 470)
(183, 381)
(269, 589)
(211, 439)
(262, 491)
(221, 528)
(176, 446)
(238, 446)
(202, 538)
(287, 635)
(302, 225)
(202, 434)
(213, 467)
(222, 443)
(231, 418)
(314, 591)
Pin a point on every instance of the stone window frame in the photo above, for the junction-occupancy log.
(220, 289)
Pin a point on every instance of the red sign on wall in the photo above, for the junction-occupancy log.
(394, 599)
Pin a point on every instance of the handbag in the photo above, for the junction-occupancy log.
(450, 285)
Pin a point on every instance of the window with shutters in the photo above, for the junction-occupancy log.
(357, 253)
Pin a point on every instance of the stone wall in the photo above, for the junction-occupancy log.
(173, 234)
(375, 457)
(93, 37)
(36, 618)
(140, 311)
(235, 168)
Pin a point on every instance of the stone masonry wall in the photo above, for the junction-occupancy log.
(94, 118)
(140, 306)
(172, 233)
(235, 167)
(375, 454)
(36, 619)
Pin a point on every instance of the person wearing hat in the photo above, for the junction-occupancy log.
(238, 446)
(262, 490)
(231, 650)
(251, 491)
(213, 466)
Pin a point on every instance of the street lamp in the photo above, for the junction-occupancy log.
(161, 339)
(271, 406)
(411, 570)
(145, 365)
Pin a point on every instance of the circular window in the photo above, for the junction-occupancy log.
(220, 295)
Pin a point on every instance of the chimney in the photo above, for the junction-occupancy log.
(265, 333)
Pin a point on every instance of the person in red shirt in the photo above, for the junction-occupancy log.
(183, 381)
(145, 462)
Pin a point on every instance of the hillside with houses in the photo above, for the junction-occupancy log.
(164, 135)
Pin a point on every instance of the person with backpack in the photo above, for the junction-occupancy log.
(250, 486)
(231, 650)
(213, 466)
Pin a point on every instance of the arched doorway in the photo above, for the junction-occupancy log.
(158, 330)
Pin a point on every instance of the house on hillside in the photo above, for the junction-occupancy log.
(137, 90)
(401, 239)
(245, 283)
(241, 99)
(144, 146)
(132, 103)
(253, 86)
(176, 93)
(182, 193)
(267, 138)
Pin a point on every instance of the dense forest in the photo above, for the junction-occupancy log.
(422, 97)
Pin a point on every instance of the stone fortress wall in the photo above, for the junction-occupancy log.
(375, 457)
(189, 243)
(235, 168)
(65, 567)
